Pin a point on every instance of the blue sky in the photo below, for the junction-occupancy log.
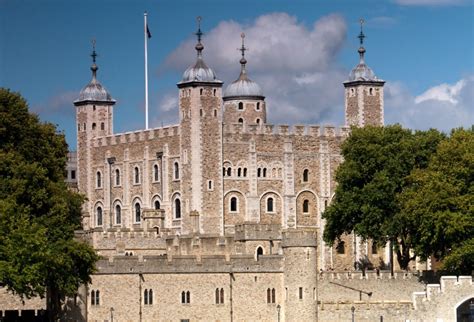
(300, 52)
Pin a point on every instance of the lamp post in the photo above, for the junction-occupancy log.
(111, 314)
(110, 161)
(278, 310)
(353, 310)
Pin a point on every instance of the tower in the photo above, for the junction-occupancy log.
(243, 99)
(364, 102)
(200, 98)
(94, 118)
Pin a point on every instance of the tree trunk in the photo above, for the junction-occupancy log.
(403, 255)
(53, 303)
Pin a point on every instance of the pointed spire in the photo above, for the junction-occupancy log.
(199, 47)
(94, 67)
(361, 38)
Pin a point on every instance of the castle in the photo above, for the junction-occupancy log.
(218, 218)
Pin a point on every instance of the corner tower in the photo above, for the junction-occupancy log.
(200, 97)
(364, 102)
(94, 118)
(243, 99)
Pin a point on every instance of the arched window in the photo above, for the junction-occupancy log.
(259, 172)
(269, 296)
(264, 172)
(117, 177)
(273, 296)
(183, 297)
(257, 121)
(245, 172)
(258, 106)
(371, 91)
(341, 247)
(218, 296)
(305, 175)
(241, 120)
(177, 208)
(270, 204)
(222, 296)
(99, 179)
(156, 173)
(138, 211)
(233, 204)
(200, 91)
(118, 215)
(305, 206)
(148, 297)
(259, 252)
(229, 171)
(239, 172)
(157, 204)
(176, 171)
(188, 297)
(99, 216)
(137, 175)
(223, 171)
(241, 106)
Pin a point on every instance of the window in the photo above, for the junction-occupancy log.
(117, 177)
(148, 296)
(229, 171)
(271, 298)
(200, 91)
(270, 204)
(102, 126)
(99, 179)
(177, 208)
(245, 172)
(138, 211)
(258, 107)
(325, 203)
(84, 126)
(257, 121)
(73, 174)
(214, 92)
(99, 216)
(118, 215)
(259, 172)
(300, 293)
(209, 185)
(185, 297)
(176, 171)
(233, 204)
(306, 206)
(93, 107)
(305, 175)
(95, 297)
(156, 173)
(371, 91)
(78, 126)
(215, 111)
(264, 172)
(157, 204)
(241, 120)
(93, 126)
(341, 247)
(200, 112)
(136, 172)
(239, 172)
(241, 106)
(219, 296)
(375, 250)
(259, 252)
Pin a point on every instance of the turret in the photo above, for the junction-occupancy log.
(364, 101)
(243, 99)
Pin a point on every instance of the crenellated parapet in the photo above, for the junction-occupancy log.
(137, 136)
(326, 131)
(367, 275)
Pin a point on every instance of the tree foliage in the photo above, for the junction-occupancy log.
(38, 214)
(440, 200)
(377, 162)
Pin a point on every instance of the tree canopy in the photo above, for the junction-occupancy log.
(377, 162)
(38, 213)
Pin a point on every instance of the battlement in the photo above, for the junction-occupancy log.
(368, 275)
(252, 231)
(299, 238)
(137, 136)
(326, 131)
(190, 264)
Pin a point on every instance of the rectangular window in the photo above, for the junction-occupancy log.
(73, 174)
(300, 295)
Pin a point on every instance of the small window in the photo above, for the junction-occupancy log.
(229, 171)
(138, 211)
(223, 171)
(259, 252)
(341, 247)
(148, 297)
(241, 120)
(177, 208)
(305, 175)
(117, 177)
(259, 172)
(99, 216)
(270, 204)
(371, 91)
(84, 126)
(93, 107)
(200, 112)
(245, 172)
(200, 91)
(176, 171)
(118, 215)
(99, 179)
(137, 175)
(156, 173)
(157, 205)
(214, 92)
(305, 206)
(300, 293)
(241, 106)
(209, 185)
(185, 297)
(219, 296)
(257, 121)
(239, 172)
(93, 126)
(215, 111)
(73, 174)
(233, 204)
(258, 107)
(375, 250)
(95, 297)
(102, 126)
(325, 203)
(79, 126)
(264, 172)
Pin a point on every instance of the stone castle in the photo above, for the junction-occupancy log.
(218, 218)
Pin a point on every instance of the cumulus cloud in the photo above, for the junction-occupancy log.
(443, 106)
(295, 64)
(431, 2)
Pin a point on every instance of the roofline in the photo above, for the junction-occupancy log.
(364, 82)
(85, 102)
(244, 97)
(217, 83)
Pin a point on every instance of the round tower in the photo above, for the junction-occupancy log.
(243, 99)
(94, 118)
(200, 97)
(364, 102)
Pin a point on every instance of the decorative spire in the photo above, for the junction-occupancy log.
(199, 47)
(242, 49)
(94, 67)
(361, 38)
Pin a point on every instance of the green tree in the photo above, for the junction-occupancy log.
(38, 214)
(377, 161)
(440, 201)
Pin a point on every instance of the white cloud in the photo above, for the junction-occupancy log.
(443, 107)
(295, 64)
(431, 2)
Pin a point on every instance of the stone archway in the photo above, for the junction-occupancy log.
(465, 311)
